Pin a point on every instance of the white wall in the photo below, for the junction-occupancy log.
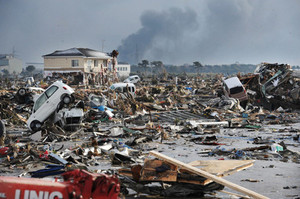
(123, 70)
(14, 65)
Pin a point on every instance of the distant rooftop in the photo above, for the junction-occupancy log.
(123, 63)
(81, 52)
(4, 56)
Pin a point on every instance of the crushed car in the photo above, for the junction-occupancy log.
(96, 100)
(132, 79)
(233, 88)
(124, 88)
(27, 95)
(69, 119)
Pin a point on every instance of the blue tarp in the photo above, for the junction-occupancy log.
(102, 108)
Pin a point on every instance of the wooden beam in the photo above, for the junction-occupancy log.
(208, 175)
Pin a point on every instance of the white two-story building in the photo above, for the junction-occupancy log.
(10, 63)
(91, 63)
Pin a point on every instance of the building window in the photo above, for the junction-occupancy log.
(75, 63)
(89, 63)
(124, 69)
(95, 63)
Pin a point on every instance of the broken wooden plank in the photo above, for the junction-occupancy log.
(222, 123)
(186, 177)
(158, 170)
(76, 132)
(222, 167)
(208, 175)
(125, 172)
(21, 118)
(219, 168)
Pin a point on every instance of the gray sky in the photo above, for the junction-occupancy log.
(172, 31)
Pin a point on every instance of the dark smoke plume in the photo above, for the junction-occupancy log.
(155, 40)
(220, 32)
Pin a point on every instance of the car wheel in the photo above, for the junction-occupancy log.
(21, 91)
(66, 99)
(36, 125)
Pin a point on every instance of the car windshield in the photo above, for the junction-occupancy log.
(39, 102)
(236, 90)
(49, 92)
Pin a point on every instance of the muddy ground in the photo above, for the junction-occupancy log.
(271, 175)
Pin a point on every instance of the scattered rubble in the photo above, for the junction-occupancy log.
(112, 130)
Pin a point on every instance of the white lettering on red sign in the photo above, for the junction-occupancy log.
(32, 194)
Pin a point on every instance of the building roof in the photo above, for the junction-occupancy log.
(5, 56)
(78, 52)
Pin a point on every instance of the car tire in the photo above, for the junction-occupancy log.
(21, 92)
(36, 125)
(66, 99)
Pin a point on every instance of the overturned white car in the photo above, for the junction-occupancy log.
(52, 99)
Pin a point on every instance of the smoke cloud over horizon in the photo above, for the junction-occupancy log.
(226, 31)
(161, 34)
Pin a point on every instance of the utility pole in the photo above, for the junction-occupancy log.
(13, 51)
(103, 44)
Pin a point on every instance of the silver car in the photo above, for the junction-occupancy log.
(132, 79)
